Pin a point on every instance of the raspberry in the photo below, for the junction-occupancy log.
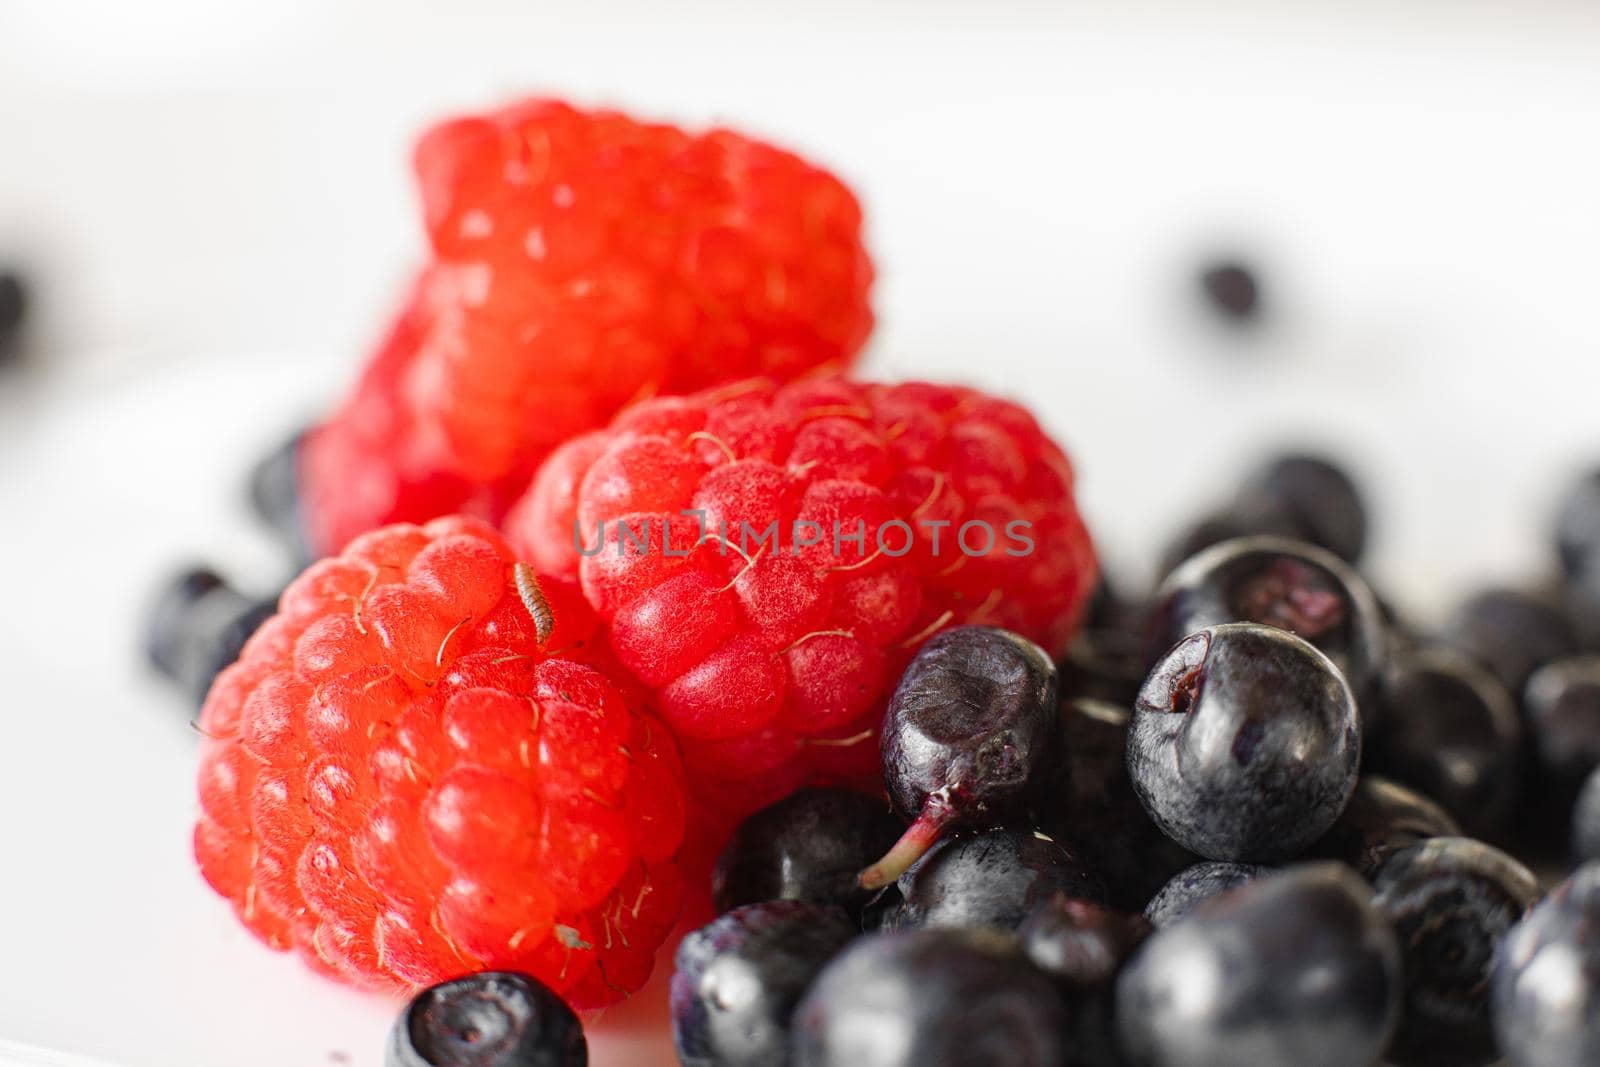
(419, 769)
(772, 662)
(582, 260)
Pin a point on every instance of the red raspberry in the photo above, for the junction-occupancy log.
(583, 260)
(414, 772)
(773, 665)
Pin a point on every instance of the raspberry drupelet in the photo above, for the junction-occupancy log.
(582, 260)
(420, 768)
(772, 659)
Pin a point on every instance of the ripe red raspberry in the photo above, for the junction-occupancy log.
(583, 260)
(413, 772)
(773, 664)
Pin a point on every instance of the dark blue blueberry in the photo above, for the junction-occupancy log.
(1320, 501)
(1244, 744)
(1448, 730)
(1231, 288)
(492, 1019)
(995, 878)
(274, 490)
(1546, 987)
(811, 846)
(1450, 901)
(1291, 585)
(13, 313)
(1511, 633)
(1561, 709)
(1195, 885)
(197, 625)
(1093, 810)
(1296, 969)
(1082, 947)
(1381, 818)
(934, 997)
(739, 978)
(968, 739)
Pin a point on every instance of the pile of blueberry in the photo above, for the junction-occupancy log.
(1257, 820)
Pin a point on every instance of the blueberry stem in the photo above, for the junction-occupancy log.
(918, 838)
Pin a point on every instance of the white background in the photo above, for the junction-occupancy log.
(216, 200)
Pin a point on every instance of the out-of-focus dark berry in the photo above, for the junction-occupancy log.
(1586, 821)
(1561, 710)
(1546, 986)
(1578, 527)
(810, 846)
(13, 313)
(1450, 901)
(1320, 500)
(1231, 289)
(1296, 969)
(1448, 729)
(1511, 633)
(196, 626)
(1381, 818)
(274, 491)
(1195, 885)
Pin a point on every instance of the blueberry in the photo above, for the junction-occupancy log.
(1586, 821)
(1195, 885)
(1104, 665)
(197, 625)
(809, 846)
(491, 1019)
(1381, 818)
(739, 978)
(1320, 501)
(1450, 901)
(1231, 288)
(1244, 744)
(274, 490)
(1092, 808)
(1561, 709)
(13, 312)
(934, 997)
(1578, 527)
(1079, 943)
(1546, 985)
(1298, 968)
(1288, 584)
(968, 738)
(1082, 947)
(1448, 729)
(995, 878)
(1511, 633)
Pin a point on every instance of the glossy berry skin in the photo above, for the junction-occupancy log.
(196, 626)
(738, 980)
(488, 1019)
(809, 846)
(1449, 730)
(1244, 744)
(1296, 969)
(1511, 634)
(1383, 817)
(969, 738)
(1546, 985)
(938, 997)
(996, 879)
(581, 260)
(1586, 821)
(420, 768)
(1318, 498)
(1450, 901)
(1561, 710)
(1195, 885)
(1294, 586)
(1079, 943)
(773, 664)
(1090, 807)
